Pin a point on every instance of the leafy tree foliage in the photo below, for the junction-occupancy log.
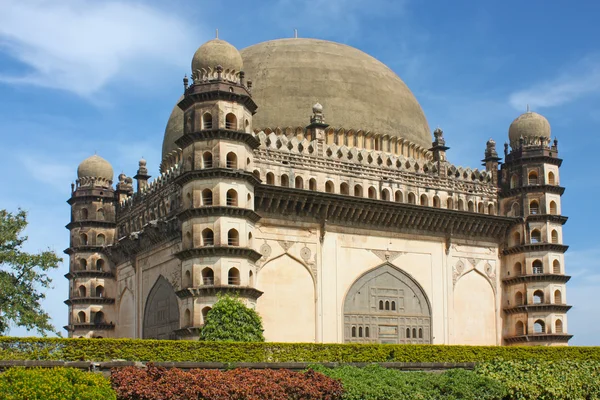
(231, 321)
(23, 276)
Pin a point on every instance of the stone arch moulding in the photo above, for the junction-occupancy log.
(475, 270)
(387, 282)
(304, 264)
(161, 311)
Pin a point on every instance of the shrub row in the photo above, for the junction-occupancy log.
(377, 383)
(156, 383)
(535, 379)
(496, 380)
(196, 351)
(53, 384)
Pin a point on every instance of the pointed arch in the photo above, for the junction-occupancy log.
(161, 311)
(126, 326)
(385, 285)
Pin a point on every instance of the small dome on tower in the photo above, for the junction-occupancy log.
(528, 125)
(95, 167)
(217, 52)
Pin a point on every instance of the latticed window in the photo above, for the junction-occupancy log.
(538, 267)
(207, 121)
(534, 207)
(232, 198)
(533, 178)
(231, 160)
(208, 276)
(539, 326)
(208, 237)
(233, 276)
(233, 237)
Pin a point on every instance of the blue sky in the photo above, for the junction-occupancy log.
(83, 76)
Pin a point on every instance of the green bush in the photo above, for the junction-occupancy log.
(538, 379)
(54, 384)
(198, 351)
(377, 383)
(230, 320)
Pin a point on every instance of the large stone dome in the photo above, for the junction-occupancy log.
(529, 125)
(95, 167)
(356, 90)
(290, 75)
(173, 130)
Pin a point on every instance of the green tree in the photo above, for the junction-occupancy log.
(231, 321)
(23, 276)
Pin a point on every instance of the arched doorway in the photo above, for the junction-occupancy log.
(386, 305)
(161, 314)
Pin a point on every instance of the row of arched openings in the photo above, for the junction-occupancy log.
(83, 264)
(231, 160)
(538, 297)
(539, 327)
(208, 277)
(537, 267)
(230, 122)
(532, 179)
(97, 319)
(414, 333)
(387, 305)
(358, 332)
(385, 194)
(534, 207)
(85, 215)
(97, 291)
(100, 240)
(187, 316)
(208, 237)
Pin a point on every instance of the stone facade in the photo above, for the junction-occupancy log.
(333, 234)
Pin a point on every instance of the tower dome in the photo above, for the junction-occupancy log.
(95, 167)
(217, 52)
(529, 125)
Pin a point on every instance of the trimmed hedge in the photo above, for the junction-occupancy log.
(535, 379)
(156, 383)
(377, 383)
(196, 351)
(54, 384)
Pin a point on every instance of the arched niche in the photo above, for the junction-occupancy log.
(161, 313)
(126, 325)
(411, 310)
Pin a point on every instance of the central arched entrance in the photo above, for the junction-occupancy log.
(386, 305)
(161, 314)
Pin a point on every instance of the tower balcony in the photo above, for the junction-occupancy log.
(89, 326)
(541, 307)
(213, 290)
(540, 338)
(554, 278)
(93, 300)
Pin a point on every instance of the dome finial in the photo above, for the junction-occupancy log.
(295, 33)
(528, 110)
(217, 33)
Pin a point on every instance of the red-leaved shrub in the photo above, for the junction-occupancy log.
(157, 383)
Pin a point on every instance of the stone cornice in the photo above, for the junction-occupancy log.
(90, 326)
(559, 190)
(213, 290)
(219, 251)
(377, 214)
(107, 196)
(527, 308)
(217, 173)
(89, 274)
(84, 249)
(89, 300)
(217, 90)
(218, 134)
(88, 223)
(538, 337)
(559, 219)
(219, 211)
(536, 278)
(533, 247)
(541, 156)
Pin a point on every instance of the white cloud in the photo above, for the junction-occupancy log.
(82, 45)
(50, 172)
(580, 80)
